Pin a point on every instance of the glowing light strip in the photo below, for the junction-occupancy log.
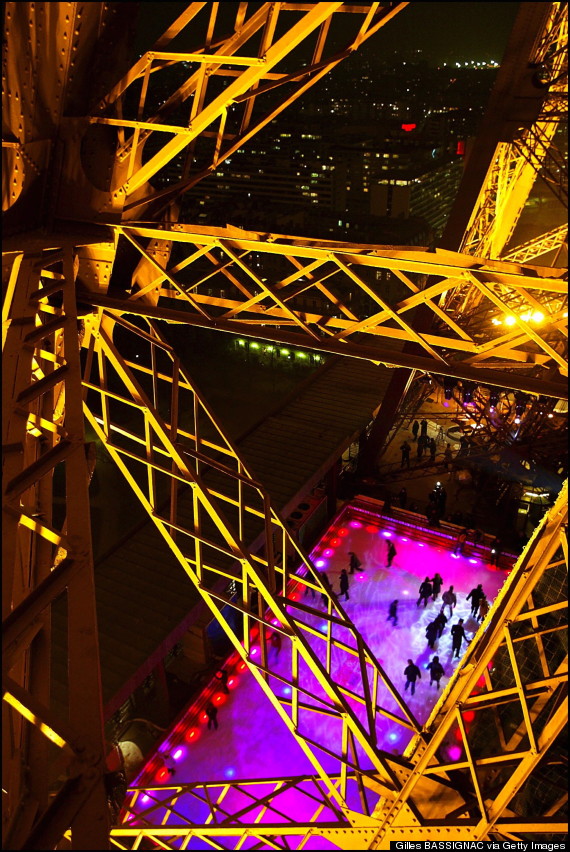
(31, 717)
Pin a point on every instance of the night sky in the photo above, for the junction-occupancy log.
(453, 32)
(444, 32)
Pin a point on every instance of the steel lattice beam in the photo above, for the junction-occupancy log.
(364, 323)
(218, 515)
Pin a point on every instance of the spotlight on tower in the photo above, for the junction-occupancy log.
(468, 391)
(448, 385)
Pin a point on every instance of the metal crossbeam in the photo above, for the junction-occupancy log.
(272, 279)
(162, 435)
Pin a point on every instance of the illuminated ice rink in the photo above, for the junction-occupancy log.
(252, 742)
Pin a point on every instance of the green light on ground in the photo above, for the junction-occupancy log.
(284, 351)
(241, 342)
(301, 354)
(269, 348)
(254, 345)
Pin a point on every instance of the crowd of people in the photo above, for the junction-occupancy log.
(430, 588)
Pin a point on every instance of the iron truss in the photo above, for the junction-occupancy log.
(208, 506)
(251, 284)
(525, 152)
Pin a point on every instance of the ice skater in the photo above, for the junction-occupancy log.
(476, 595)
(458, 635)
(460, 543)
(355, 562)
(344, 584)
(310, 577)
(436, 671)
(412, 674)
(449, 599)
(441, 621)
(483, 608)
(393, 613)
(391, 553)
(431, 634)
(276, 643)
(437, 583)
(425, 590)
(328, 590)
(212, 714)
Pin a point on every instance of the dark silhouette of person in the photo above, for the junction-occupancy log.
(355, 562)
(441, 499)
(431, 633)
(403, 498)
(276, 643)
(223, 676)
(496, 548)
(311, 579)
(390, 554)
(344, 584)
(412, 674)
(405, 448)
(475, 595)
(437, 583)
(212, 714)
(393, 613)
(436, 671)
(449, 599)
(463, 446)
(415, 429)
(421, 447)
(432, 446)
(483, 608)
(441, 621)
(458, 635)
(448, 457)
(326, 583)
(460, 543)
(425, 592)
(254, 600)
(424, 428)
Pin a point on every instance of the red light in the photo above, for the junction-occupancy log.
(408, 127)
(162, 774)
(219, 698)
(371, 529)
(191, 735)
(342, 532)
(460, 150)
(203, 717)
(232, 681)
(335, 542)
(242, 666)
(458, 735)
(469, 716)
(490, 665)
(294, 597)
(481, 681)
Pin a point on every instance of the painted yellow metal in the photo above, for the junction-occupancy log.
(220, 523)
(257, 306)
